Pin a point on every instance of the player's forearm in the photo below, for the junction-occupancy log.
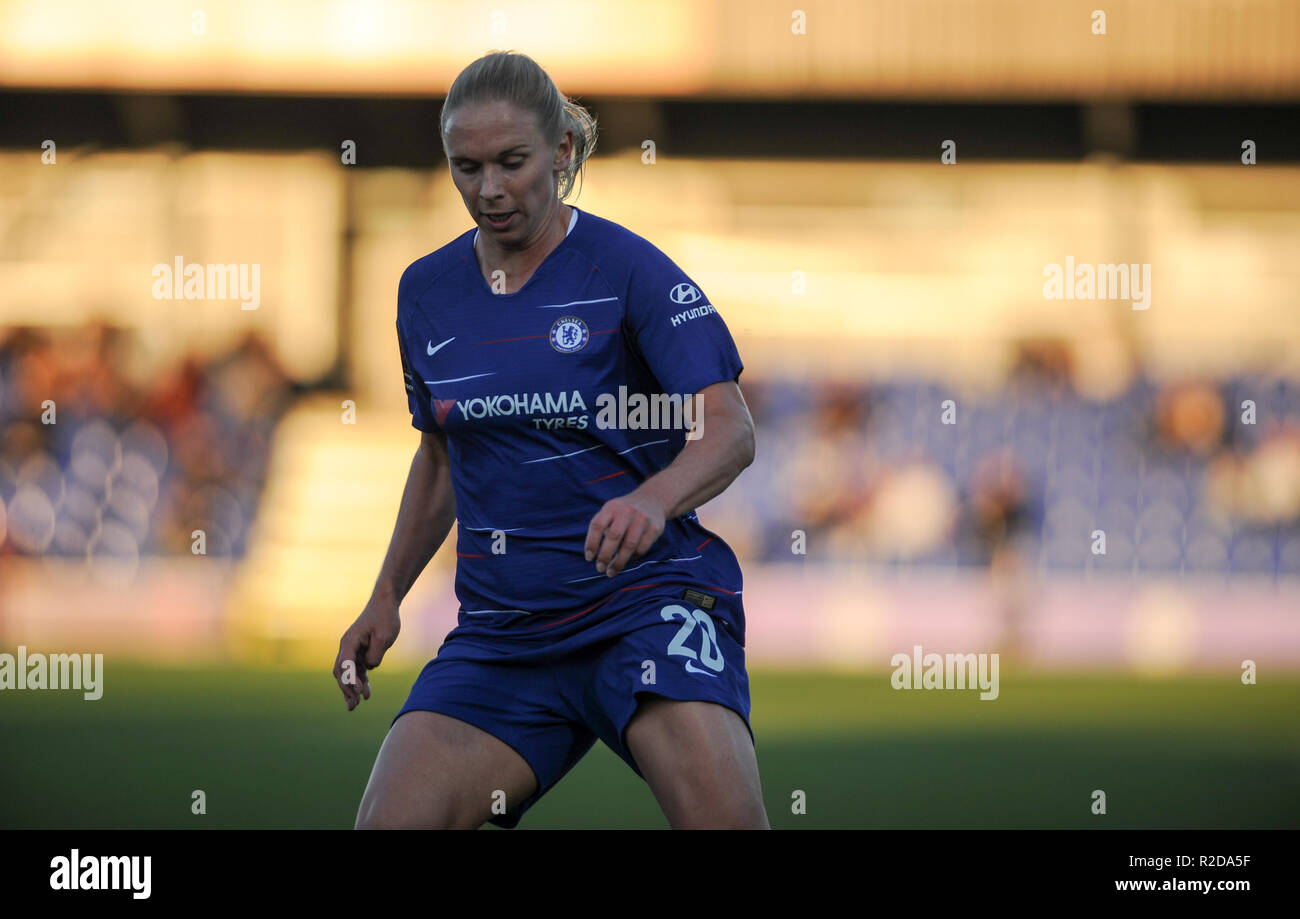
(704, 467)
(424, 519)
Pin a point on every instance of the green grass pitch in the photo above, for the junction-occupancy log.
(278, 750)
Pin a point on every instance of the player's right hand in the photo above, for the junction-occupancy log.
(362, 649)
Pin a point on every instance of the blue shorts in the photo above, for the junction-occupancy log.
(552, 708)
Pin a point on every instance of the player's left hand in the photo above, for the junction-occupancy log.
(624, 528)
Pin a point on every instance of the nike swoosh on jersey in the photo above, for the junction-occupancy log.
(693, 669)
(431, 350)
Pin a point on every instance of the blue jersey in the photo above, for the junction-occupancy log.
(538, 393)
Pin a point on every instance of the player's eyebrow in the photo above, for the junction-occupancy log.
(516, 148)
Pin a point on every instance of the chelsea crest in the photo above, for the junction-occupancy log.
(569, 334)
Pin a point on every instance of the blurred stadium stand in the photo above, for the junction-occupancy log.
(865, 285)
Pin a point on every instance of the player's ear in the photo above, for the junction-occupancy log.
(564, 153)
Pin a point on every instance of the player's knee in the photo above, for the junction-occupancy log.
(715, 804)
(378, 817)
(740, 815)
(374, 821)
(385, 822)
(374, 818)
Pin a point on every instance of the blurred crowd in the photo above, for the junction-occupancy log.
(1198, 475)
(94, 464)
(1192, 476)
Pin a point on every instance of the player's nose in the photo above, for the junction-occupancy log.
(492, 186)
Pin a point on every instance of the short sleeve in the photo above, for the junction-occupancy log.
(417, 394)
(678, 333)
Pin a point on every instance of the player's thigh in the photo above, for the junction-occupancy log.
(698, 758)
(438, 772)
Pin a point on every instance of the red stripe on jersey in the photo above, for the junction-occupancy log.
(590, 608)
(604, 477)
(497, 341)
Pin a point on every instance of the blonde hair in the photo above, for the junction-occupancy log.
(516, 78)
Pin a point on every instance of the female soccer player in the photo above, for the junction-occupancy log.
(593, 603)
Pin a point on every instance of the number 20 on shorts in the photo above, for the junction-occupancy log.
(710, 654)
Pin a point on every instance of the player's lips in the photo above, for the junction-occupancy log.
(500, 220)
